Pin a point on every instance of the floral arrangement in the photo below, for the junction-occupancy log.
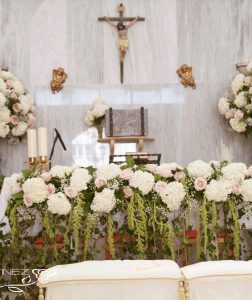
(16, 108)
(148, 208)
(95, 115)
(237, 106)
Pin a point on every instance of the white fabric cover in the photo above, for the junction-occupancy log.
(113, 280)
(219, 280)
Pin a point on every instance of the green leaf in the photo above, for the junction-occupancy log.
(26, 173)
(17, 196)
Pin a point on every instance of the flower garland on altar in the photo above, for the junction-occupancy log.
(16, 108)
(237, 106)
(155, 205)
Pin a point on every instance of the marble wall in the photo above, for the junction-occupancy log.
(39, 35)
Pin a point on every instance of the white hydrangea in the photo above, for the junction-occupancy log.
(99, 110)
(235, 171)
(223, 105)
(171, 167)
(199, 168)
(104, 202)
(58, 204)
(60, 171)
(2, 99)
(246, 187)
(172, 195)
(36, 188)
(237, 83)
(241, 100)
(19, 129)
(26, 102)
(80, 178)
(108, 172)
(18, 87)
(89, 119)
(3, 87)
(249, 67)
(144, 181)
(4, 114)
(237, 125)
(4, 129)
(218, 190)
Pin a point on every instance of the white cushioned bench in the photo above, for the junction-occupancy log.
(219, 280)
(113, 280)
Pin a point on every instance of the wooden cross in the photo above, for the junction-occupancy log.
(122, 31)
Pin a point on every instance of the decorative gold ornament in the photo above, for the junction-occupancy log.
(59, 78)
(187, 79)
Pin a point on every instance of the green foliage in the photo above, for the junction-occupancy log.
(110, 232)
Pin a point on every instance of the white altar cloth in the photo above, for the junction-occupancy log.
(113, 280)
(219, 280)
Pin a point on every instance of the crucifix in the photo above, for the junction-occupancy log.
(122, 32)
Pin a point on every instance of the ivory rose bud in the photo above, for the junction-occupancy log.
(71, 192)
(14, 120)
(17, 107)
(99, 182)
(229, 114)
(160, 186)
(9, 84)
(28, 201)
(165, 173)
(31, 120)
(200, 184)
(13, 96)
(126, 174)
(50, 189)
(151, 167)
(236, 188)
(179, 175)
(46, 176)
(238, 114)
(127, 191)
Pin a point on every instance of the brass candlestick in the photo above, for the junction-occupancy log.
(43, 161)
(32, 162)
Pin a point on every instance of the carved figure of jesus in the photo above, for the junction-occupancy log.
(123, 35)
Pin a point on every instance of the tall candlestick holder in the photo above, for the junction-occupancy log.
(44, 162)
(32, 161)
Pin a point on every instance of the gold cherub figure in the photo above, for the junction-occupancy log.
(187, 79)
(59, 77)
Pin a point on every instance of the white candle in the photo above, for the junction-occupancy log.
(32, 142)
(42, 141)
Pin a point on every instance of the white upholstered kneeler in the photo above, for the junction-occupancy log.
(219, 280)
(113, 280)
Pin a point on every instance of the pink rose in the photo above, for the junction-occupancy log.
(17, 107)
(99, 182)
(28, 201)
(9, 84)
(229, 114)
(33, 109)
(47, 176)
(126, 174)
(236, 188)
(31, 120)
(160, 186)
(14, 120)
(200, 184)
(238, 115)
(71, 192)
(127, 191)
(50, 189)
(165, 173)
(216, 164)
(179, 175)
(13, 96)
(151, 167)
(17, 188)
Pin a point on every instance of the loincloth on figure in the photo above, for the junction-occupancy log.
(123, 44)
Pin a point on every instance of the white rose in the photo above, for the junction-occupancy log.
(99, 110)
(2, 100)
(20, 129)
(80, 178)
(223, 105)
(246, 187)
(18, 87)
(26, 102)
(241, 100)
(237, 83)
(218, 190)
(4, 114)
(199, 168)
(144, 181)
(237, 125)
(108, 172)
(4, 129)
(3, 87)
(58, 204)
(235, 171)
(36, 189)
(60, 171)
(172, 195)
(104, 202)
(249, 67)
